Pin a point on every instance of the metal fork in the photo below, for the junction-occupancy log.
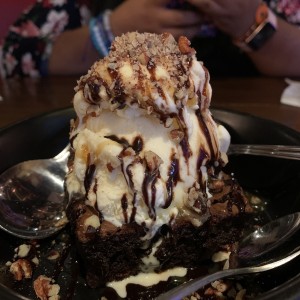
(191, 286)
(279, 151)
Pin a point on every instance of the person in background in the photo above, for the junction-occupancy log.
(267, 32)
(67, 36)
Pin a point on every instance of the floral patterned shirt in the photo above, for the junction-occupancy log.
(27, 47)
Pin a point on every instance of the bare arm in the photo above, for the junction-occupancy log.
(154, 16)
(73, 52)
(57, 27)
(26, 49)
(279, 56)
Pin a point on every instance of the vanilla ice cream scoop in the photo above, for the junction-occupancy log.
(144, 140)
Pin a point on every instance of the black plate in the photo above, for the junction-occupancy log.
(276, 180)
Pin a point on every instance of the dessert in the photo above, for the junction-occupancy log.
(146, 184)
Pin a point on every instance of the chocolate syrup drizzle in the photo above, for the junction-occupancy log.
(121, 141)
(124, 204)
(201, 157)
(133, 212)
(151, 67)
(173, 178)
(138, 144)
(118, 96)
(94, 83)
(151, 176)
(205, 130)
(234, 198)
(184, 143)
(89, 175)
(150, 180)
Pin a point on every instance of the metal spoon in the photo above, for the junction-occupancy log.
(32, 198)
(32, 201)
(251, 255)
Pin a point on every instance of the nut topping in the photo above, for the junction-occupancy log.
(21, 268)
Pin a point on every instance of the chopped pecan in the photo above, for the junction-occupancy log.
(184, 45)
(53, 255)
(23, 250)
(21, 268)
(176, 135)
(144, 59)
(153, 160)
(197, 201)
(216, 185)
(45, 289)
(87, 224)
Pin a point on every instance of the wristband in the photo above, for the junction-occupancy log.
(260, 32)
(100, 33)
(106, 24)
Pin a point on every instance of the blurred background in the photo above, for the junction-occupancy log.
(9, 11)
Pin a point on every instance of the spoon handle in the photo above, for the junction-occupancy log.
(63, 155)
(279, 151)
(189, 287)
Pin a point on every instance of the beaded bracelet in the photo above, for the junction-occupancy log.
(100, 32)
